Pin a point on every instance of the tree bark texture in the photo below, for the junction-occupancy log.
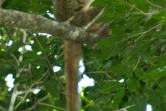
(37, 23)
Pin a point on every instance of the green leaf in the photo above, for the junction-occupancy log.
(23, 78)
(6, 68)
(35, 6)
(2, 95)
(139, 103)
(117, 98)
(109, 87)
(53, 87)
(158, 58)
(109, 48)
(99, 3)
(152, 96)
(133, 85)
(93, 108)
(155, 74)
(141, 4)
(161, 17)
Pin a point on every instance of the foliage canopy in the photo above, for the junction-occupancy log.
(135, 53)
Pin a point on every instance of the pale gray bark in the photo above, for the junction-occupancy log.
(38, 23)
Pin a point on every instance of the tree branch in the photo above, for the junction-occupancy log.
(15, 88)
(1, 2)
(40, 24)
(2, 109)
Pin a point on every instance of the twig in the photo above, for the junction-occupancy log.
(148, 31)
(45, 104)
(141, 33)
(23, 98)
(50, 65)
(2, 109)
(17, 61)
(30, 90)
(14, 94)
(13, 98)
(40, 100)
(96, 72)
(134, 7)
(137, 63)
(125, 109)
(24, 41)
(41, 47)
(94, 20)
(153, 4)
